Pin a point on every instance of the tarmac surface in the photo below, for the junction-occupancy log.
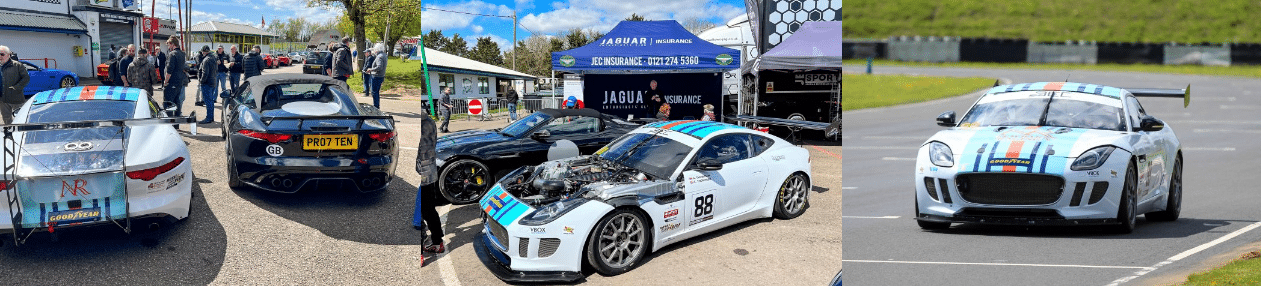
(1219, 134)
(326, 235)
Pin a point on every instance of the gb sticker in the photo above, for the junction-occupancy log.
(275, 150)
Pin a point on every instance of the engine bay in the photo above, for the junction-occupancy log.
(557, 180)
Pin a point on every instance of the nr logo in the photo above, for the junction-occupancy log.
(75, 188)
(724, 59)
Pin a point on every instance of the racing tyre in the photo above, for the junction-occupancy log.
(619, 242)
(234, 179)
(1129, 202)
(67, 81)
(929, 225)
(464, 181)
(792, 198)
(1174, 205)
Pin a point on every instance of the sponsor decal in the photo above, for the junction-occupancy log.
(703, 209)
(921, 170)
(1010, 162)
(671, 213)
(669, 227)
(723, 59)
(78, 146)
(77, 187)
(275, 150)
(567, 61)
(815, 79)
(538, 230)
(934, 169)
(569, 230)
(777, 158)
(1024, 134)
(623, 97)
(74, 215)
(1092, 173)
(1114, 173)
(624, 41)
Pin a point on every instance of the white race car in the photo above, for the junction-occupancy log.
(1051, 153)
(92, 155)
(659, 184)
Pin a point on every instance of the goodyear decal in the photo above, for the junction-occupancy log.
(695, 128)
(1019, 150)
(46, 202)
(1060, 86)
(502, 207)
(87, 93)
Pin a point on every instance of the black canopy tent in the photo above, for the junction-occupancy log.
(797, 84)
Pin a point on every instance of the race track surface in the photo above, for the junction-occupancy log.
(1219, 132)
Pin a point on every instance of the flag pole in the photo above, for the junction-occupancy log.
(424, 65)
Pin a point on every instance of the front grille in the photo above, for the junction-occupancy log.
(522, 246)
(945, 191)
(930, 187)
(1098, 191)
(548, 246)
(500, 234)
(1077, 193)
(1010, 189)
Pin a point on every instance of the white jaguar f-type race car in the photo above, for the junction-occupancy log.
(659, 184)
(92, 155)
(1051, 153)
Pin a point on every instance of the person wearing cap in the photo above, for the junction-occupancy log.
(343, 64)
(140, 73)
(209, 69)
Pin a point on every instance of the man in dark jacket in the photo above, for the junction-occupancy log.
(511, 98)
(224, 58)
(207, 75)
(343, 64)
(140, 73)
(126, 62)
(253, 64)
(114, 71)
(328, 59)
(234, 67)
(176, 76)
(13, 79)
(426, 213)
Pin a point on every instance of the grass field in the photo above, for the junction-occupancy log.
(396, 73)
(868, 91)
(1241, 71)
(1246, 271)
(1151, 21)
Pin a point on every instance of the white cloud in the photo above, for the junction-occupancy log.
(440, 20)
(199, 16)
(602, 15)
(477, 29)
(300, 10)
(561, 20)
(504, 44)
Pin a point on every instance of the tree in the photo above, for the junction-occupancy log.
(401, 17)
(636, 17)
(696, 25)
(456, 46)
(356, 12)
(576, 38)
(556, 44)
(435, 40)
(486, 51)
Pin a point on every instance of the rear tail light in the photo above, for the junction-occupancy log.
(150, 173)
(273, 138)
(4, 185)
(382, 137)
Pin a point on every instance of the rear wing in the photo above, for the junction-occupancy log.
(101, 123)
(1185, 94)
(267, 120)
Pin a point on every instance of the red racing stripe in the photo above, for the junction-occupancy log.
(1013, 151)
(1054, 86)
(668, 126)
(88, 93)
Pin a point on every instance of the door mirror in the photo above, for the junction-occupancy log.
(1151, 124)
(708, 165)
(541, 135)
(946, 119)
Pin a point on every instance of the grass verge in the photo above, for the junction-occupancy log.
(1245, 271)
(1240, 71)
(397, 73)
(868, 91)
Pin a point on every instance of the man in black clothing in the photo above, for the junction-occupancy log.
(176, 77)
(425, 215)
(343, 63)
(126, 62)
(207, 75)
(234, 67)
(653, 105)
(253, 64)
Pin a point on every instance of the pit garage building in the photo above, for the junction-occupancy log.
(72, 35)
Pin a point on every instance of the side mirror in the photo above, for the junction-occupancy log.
(225, 94)
(541, 135)
(1151, 124)
(708, 165)
(946, 119)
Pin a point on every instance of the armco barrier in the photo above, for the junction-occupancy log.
(1067, 52)
(1245, 54)
(1131, 53)
(1203, 54)
(993, 50)
(923, 49)
(862, 49)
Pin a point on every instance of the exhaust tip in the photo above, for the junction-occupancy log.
(287, 183)
(155, 226)
(275, 182)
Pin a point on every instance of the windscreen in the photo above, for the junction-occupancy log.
(70, 111)
(656, 155)
(520, 127)
(1047, 108)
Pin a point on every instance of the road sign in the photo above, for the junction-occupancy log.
(474, 106)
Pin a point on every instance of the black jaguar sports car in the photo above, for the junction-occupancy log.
(470, 161)
(285, 131)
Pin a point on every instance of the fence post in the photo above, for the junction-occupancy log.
(868, 65)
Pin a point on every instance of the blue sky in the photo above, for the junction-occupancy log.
(538, 17)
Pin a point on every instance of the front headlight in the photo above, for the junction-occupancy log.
(940, 154)
(552, 211)
(1092, 158)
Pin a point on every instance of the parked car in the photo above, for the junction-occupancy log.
(469, 161)
(269, 61)
(285, 131)
(113, 158)
(314, 63)
(43, 79)
(282, 60)
(297, 57)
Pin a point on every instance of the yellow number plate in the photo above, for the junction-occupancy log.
(330, 142)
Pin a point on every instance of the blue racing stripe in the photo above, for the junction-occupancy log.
(698, 126)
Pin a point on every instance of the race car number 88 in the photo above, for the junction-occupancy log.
(704, 205)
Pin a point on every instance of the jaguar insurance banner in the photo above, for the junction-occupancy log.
(622, 95)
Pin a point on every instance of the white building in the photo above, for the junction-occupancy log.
(473, 79)
(72, 35)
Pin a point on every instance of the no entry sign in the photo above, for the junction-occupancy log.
(475, 107)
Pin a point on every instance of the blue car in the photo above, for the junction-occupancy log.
(43, 79)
